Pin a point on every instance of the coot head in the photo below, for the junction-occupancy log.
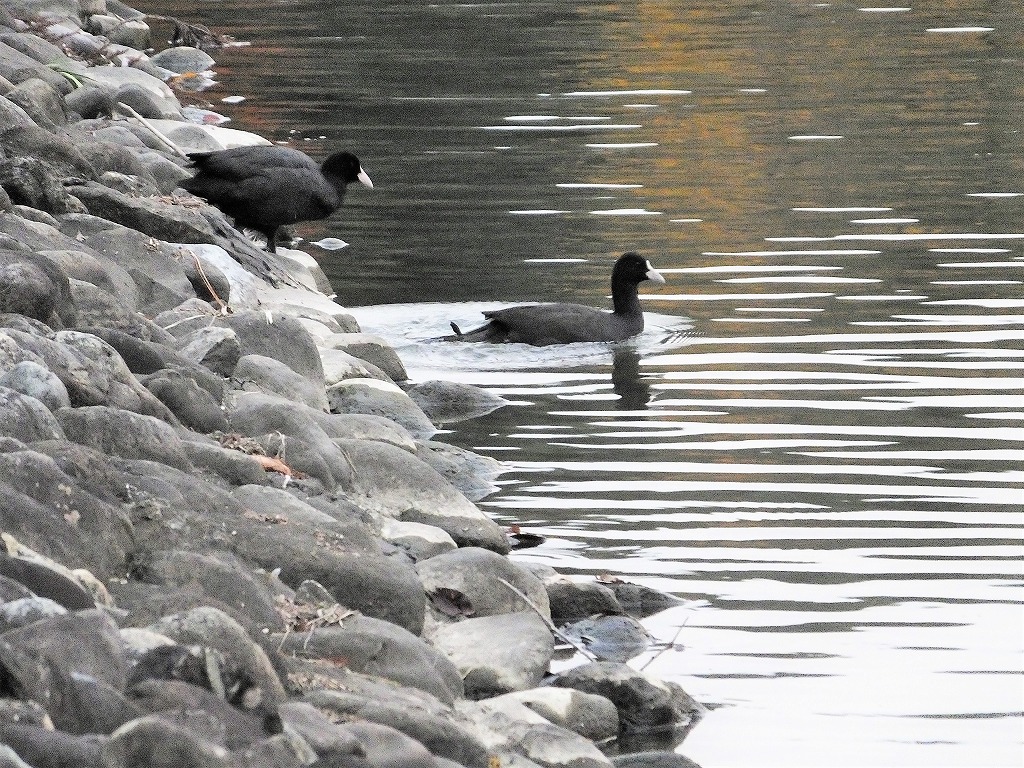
(634, 268)
(345, 166)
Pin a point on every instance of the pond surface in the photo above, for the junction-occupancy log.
(817, 441)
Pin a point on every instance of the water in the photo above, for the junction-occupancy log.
(817, 440)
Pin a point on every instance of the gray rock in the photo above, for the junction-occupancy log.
(213, 347)
(82, 704)
(28, 287)
(234, 467)
(114, 134)
(91, 102)
(373, 349)
(194, 406)
(27, 234)
(470, 472)
(87, 642)
(354, 426)
(339, 366)
(82, 264)
(363, 700)
(285, 750)
(162, 171)
(10, 588)
(11, 114)
(478, 574)
(279, 337)
(377, 585)
(43, 747)
(41, 100)
(18, 613)
(18, 67)
(343, 555)
(392, 482)
(220, 575)
(386, 747)
(254, 414)
(183, 59)
(120, 79)
(150, 216)
(124, 433)
(653, 760)
(141, 355)
(447, 402)
(136, 185)
(90, 369)
(275, 377)
(591, 716)
(328, 739)
(275, 504)
(576, 600)
(186, 318)
(96, 308)
(158, 269)
(104, 374)
(41, 577)
(378, 398)
(132, 32)
(508, 725)
(59, 155)
(379, 648)
(153, 741)
(244, 287)
(419, 540)
(308, 271)
(645, 703)
(497, 654)
(610, 638)
(640, 601)
(25, 418)
(39, 49)
(139, 641)
(9, 758)
(192, 703)
(48, 511)
(215, 629)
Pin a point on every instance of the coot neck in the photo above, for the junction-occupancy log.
(339, 185)
(625, 301)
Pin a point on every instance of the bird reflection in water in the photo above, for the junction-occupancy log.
(633, 391)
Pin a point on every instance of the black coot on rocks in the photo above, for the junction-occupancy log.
(263, 188)
(543, 324)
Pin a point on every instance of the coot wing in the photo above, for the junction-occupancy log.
(542, 324)
(272, 197)
(242, 162)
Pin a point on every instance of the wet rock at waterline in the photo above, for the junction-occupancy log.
(646, 705)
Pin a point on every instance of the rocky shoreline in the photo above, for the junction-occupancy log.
(229, 539)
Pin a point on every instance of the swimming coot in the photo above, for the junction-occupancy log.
(543, 324)
(263, 188)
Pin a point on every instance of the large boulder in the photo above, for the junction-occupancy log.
(50, 512)
(395, 483)
(124, 433)
(507, 725)
(379, 398)
(277, 336)
(483, 578)
(379, 648)
(273, 376)
(646, 704)
(497, 654)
